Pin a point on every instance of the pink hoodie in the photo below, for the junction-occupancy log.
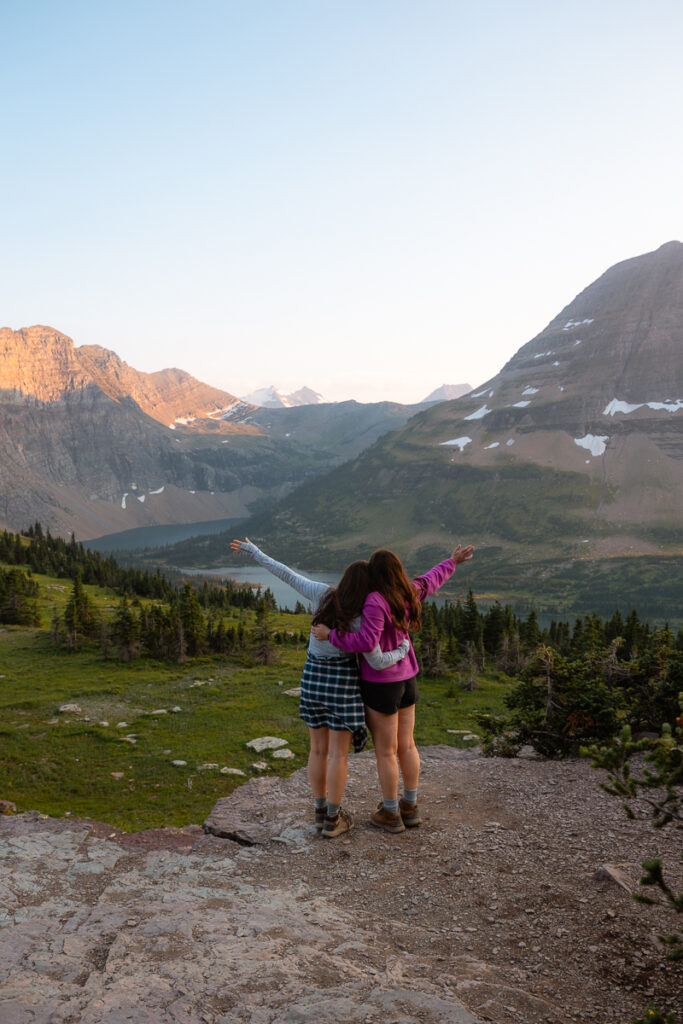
(377, 627)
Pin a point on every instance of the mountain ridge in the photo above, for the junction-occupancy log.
(573, 452)
(90, 445)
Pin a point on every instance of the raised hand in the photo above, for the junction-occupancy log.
(462, 554)
(237, 544)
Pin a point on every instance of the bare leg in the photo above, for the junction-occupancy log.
(337, 764)
(317, 761)
(384, 729)
(407, 751)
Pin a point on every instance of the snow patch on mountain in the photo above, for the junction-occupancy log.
(576, 323)
(596, 444)
(479, 413)
(626, 407)
(458, 442)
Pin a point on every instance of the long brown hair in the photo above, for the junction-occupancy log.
(388, 577)
(343, 603)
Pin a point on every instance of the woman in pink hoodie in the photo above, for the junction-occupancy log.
(390, 610)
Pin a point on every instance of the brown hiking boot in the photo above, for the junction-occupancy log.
(334, 827)
(409, 813)
(390, 822)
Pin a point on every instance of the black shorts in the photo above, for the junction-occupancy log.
(387, 698)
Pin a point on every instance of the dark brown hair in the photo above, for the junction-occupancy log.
(343, 603)
(388, 577)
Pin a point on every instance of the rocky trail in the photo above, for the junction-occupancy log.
(490, 911)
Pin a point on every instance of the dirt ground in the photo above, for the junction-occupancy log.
(492, 903)
(495, 893)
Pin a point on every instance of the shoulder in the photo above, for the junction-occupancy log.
(375, 600)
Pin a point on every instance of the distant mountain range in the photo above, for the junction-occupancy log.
(565, 469)
(272, 398)
(89, 444)
(571, 456)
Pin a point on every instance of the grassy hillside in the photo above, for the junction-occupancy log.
(113, 759)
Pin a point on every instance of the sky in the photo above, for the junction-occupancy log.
(367, 197)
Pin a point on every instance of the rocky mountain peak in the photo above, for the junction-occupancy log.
(39, 362)
(448, 392)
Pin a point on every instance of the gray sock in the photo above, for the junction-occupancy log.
(391, 805)
(410, 796)
(332, 810)
(320, 803)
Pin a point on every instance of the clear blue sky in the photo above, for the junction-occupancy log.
(369, 197)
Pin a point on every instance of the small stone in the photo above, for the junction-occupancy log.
(266, 743)
(260, 766)
(176, 709)
(284, 754)
(232, 771)
(615, 874)
(296, 692)
(122, 725)
(7, 807)
(208, 766)
(105, 724)
(117, 775)
(70, 709)
(159, 711)
(179, 764)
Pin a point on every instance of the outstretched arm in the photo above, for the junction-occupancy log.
(436, 577)
(309, 589)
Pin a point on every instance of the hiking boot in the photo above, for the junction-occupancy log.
(334, 827)
(388, 820)
(320, 813)
(409, 813)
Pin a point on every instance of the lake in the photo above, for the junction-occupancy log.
(158, 536)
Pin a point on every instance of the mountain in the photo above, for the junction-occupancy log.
(89, 444)
(272, 398)
(572, 454)
(447, 392)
